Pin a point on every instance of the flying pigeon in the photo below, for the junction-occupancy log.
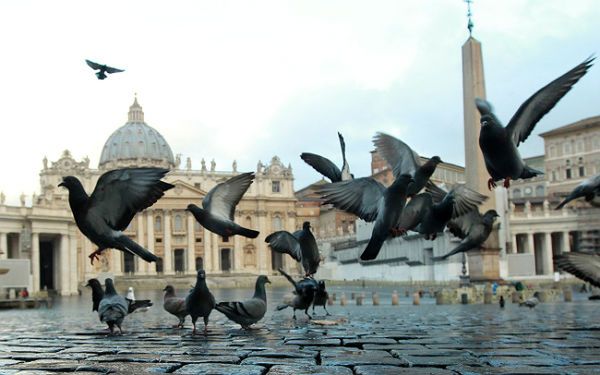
(304, 294)
(134, 305)
(585, 266)
(301, 245)
(321, 297)
(326, 167)
(589, 189)
(112, 308)
(219, 207)
(97, 292)
(531, 302)
(118, 196)
(404, 160)
(499, 144)
(248, 312)
(174, 305)
(102, 69)
(473, 228)
(200, 301)
(371, 201)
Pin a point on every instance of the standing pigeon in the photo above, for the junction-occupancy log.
(404, 160)
(134, 305)
(531, 302)
(174, 305)
(499, 144)
(301, 245)
(200, 302)
(589, 189)
(321, 297)
(473, 228)
(304, 294)
(112, 308)
(585, 266)
(326, 167)
(248, 312)
(118, 196)
(103, 69)
(219, 207)
(97, 293)
(371, 201)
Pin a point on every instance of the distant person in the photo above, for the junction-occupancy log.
(502, 302)
(494, 287)
(519, 286)
(24, 293)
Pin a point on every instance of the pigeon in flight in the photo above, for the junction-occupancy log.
(404, 160)
(368, 199)
(326, 167)
(321, 297)
(102, 69)
(174, 305)
(200, 302)
(531, 302)
(585, 266)
(112, 308)
(301, 245)
(140, 305)
(499, 144)
(473, 228)
(118, 196)
(219, 207)
(589, 189)
(304, 294)
(248, 312)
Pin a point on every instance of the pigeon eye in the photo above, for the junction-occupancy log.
(484, 122)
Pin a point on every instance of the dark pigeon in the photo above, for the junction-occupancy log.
(102, 69)
(118, 196)
(531, 302)
(219, 207)
(473, 228)
(371, 201)
(585, 266)
(200, 302)
(404, 160)
(113, 307)
(247, 312)
(97, 293)
(499, 144)
(589, 189)
(301, 245)
(304, 294)
(321, 297)
(326, 167)
(174, 305)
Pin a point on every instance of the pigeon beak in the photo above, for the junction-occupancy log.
(61, 184)
(268, 281)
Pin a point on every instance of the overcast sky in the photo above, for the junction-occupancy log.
(247, 80)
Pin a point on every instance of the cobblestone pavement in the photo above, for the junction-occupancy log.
(558, 338)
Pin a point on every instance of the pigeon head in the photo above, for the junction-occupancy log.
(201, 274)
(306, 225)
(70, 182)
(262, 279)
(490, 216)
(436, 159)
(92, 283)
(169, 289)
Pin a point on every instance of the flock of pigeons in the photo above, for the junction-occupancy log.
(411, 203)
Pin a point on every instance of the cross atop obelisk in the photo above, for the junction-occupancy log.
(469, 14)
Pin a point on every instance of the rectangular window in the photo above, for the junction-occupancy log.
(553, 175)
(581, 171)
(276, 187)
(198, 239)
(225, 239)
(568, 174)
(197, 185)
(158, 240)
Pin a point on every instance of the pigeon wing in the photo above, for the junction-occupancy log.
(540, 103)
(222, 199)
(361, 196)
(437, 193)
(121, 193)
(585, 266)
(398, 154)
(110, 69)
(415, 209)
(465, 200)
(462, 225)
(94, 65)
(284, 242)
(322, 165)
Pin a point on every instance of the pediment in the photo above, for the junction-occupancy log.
(183, 189)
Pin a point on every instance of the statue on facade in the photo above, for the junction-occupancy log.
(45, 161)
(212, 165)
(234, 166)
(203, 163)
(22, 197)
(178, 160)
(86, 162)
(259, 167)
(2, 198)
(188, 163)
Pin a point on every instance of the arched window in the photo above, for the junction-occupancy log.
(159, 265)
(249, 256)
(178, 223)
(552, 151)
(199, 263)
(157, 224)
(277, 223)
(539, 191)
(579, 145)
(567, 149)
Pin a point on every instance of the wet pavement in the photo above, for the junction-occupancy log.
(553, 338)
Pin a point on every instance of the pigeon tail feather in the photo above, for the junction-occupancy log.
(281, 307)
(248, 232)
(132, 246)
(373, 248)
(529, 172)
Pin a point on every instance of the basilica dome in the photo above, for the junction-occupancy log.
(136, 144)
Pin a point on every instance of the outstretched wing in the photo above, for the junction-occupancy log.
(110, 69)
(461, 226)
(398, 154)
(585, 266)
(463, 198)
(322, 165)
(222, 199)
(284, 242)
(415, 209)
(121, 193)
(94, 65)
(361, 196)
(540, 103)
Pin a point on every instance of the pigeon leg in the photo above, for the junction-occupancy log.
(120, 330)
(326, 312)
(95, 255)
(491, 184)
(294, 316)
(194, 329)
(433, 236)
(205, 325)
(507, 182)
(307, 314)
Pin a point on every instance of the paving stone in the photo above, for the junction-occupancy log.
(221, 369)
(315, 342)
(437, 361)
(394, 347)
(47, 365)
(426, 352)
(309, 370)
(360, 357)
(519, 370)
(393, 370)
(368, 340)
(526, 361)
(129, 367)
(284, 353)
(6, 362)
(271, 361)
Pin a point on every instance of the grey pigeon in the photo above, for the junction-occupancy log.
(97, 292)
(321, 297)
(219, 207)
(102, 69)
(585, 266)
(112, 308)
(531, 302)
(326, 167)
(200, 302)
(499, 144)
(473, 228)
(301, 245)
(589, 189)
(118, 196)
(371, 201)
(304, 294)
(247, 312)
(404, 160)
(174, 305)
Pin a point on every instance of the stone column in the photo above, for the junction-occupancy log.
(88, 248)
(65, 264)
(530, 244)
(116, 257)
(3, 246)
(140, 266)
(515, 244)
(167, 260)
(191, 245)
(238, 253)
(216, 257)
(207, 259)
(547, 254)
(151, 267)
(73, 277)
(262, 256)
(35, 261)
(566, 243)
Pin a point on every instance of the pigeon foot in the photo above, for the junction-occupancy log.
(506, 182)
(95, 256)
(491, 184)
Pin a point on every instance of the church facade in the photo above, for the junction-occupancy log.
(46, 233)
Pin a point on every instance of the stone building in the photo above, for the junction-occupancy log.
(46, 233)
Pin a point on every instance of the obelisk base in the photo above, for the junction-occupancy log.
(484, 264)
